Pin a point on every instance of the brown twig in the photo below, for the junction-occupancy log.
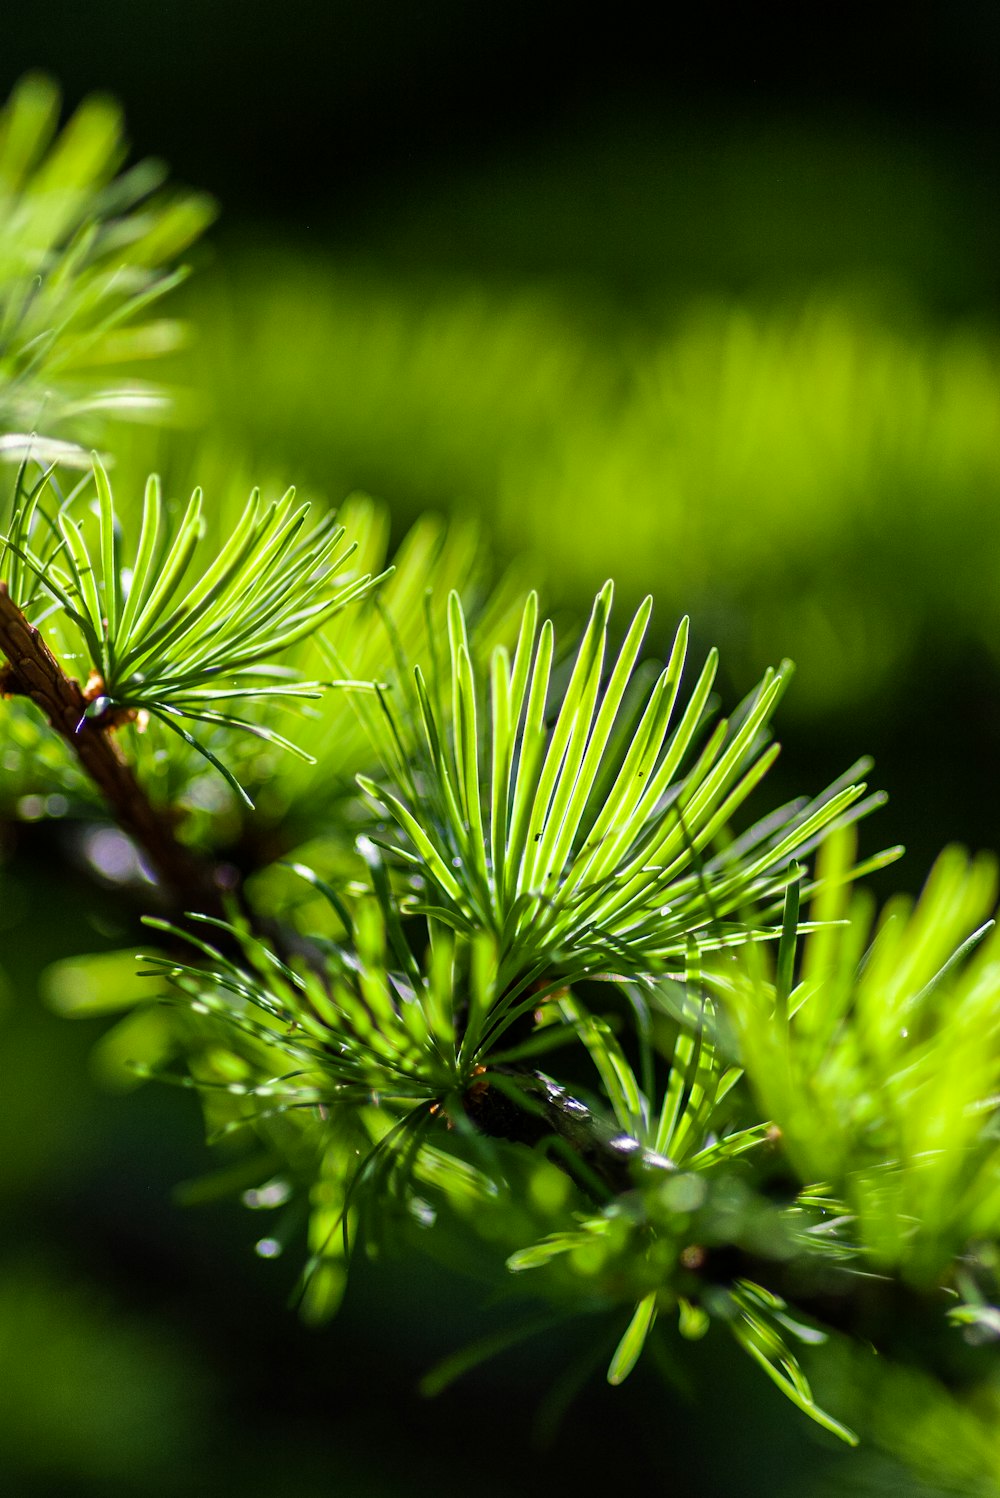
(33, 671)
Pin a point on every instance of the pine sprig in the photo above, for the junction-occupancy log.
(159, 641)
(361, 1025)
(85, 257)
(693, 1128)
(882, 1066)
(386, 1046)
(586, 843)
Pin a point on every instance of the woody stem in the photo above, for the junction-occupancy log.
(33, 671)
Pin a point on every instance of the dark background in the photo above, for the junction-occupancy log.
(311, 106)
(144, 1348)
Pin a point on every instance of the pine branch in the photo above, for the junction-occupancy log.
(34, 672)
(532, 1110)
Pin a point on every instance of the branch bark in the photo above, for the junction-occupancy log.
(600, 1158)
(34, 672)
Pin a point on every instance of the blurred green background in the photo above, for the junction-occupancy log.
(716, 315)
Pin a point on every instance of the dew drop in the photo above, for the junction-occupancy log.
(267, 1248)
(274, 1194)
(114, 856)
(423, 1212)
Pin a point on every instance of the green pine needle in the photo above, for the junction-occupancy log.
(572, 843)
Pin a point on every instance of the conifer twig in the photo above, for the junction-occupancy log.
(32, 671)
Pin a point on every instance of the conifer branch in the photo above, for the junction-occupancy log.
(33, 671)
